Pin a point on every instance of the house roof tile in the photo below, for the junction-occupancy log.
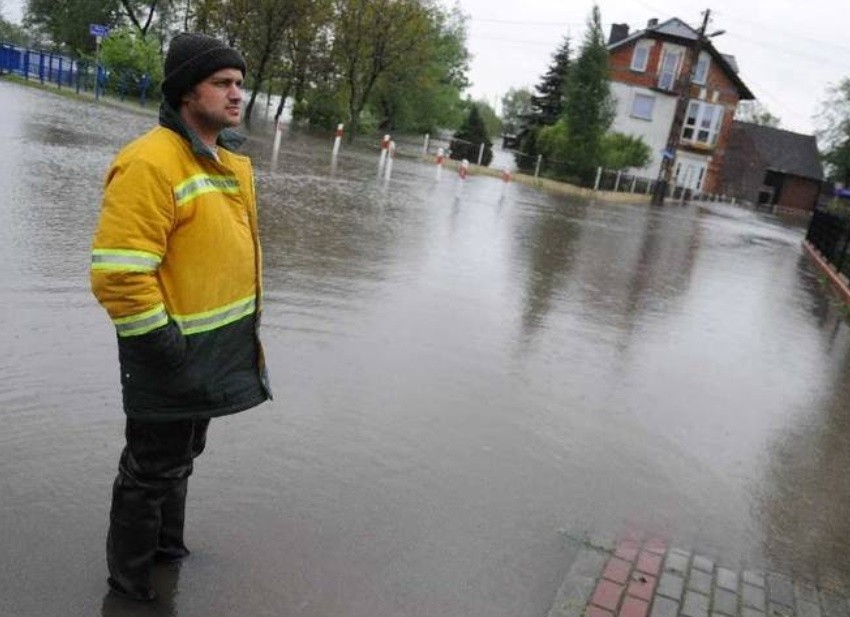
(782, 151)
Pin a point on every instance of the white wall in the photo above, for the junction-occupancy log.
(654, 133)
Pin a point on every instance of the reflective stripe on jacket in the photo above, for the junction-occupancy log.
(176, 263)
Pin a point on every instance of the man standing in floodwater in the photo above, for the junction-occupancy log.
(176, 263)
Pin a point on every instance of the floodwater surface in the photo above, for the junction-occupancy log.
(463, 374)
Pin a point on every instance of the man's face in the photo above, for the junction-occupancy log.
(216, 102)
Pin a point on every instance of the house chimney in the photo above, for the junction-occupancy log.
(651, 23)
(618, 33)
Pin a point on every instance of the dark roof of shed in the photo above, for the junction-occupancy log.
(782, 151)
(675, 29)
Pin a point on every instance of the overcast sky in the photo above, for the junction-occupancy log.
(788, 51)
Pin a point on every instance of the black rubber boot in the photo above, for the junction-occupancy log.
(131, 543)
(171, 547)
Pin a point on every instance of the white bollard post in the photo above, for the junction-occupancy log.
(390, 156)
(463, 172)
(441, 157)
(481, 153)
(537, 167)
(425, 146)
(385, 145)
(276, 148)
(598, 178)
(338, 140)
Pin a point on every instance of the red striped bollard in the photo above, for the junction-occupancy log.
(338, 140)
(385, 146)
(463, 172)
(441, 158)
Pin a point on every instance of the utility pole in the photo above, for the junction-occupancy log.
(668, 157)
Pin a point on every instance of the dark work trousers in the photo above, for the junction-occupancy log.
(149, 496)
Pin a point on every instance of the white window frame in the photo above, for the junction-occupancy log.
(640, 56)
(636, 113)
(702, 123)
(668, 73)
(701, 69)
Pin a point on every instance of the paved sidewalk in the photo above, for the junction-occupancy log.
(650, 579)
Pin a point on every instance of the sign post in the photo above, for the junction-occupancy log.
(98, 32)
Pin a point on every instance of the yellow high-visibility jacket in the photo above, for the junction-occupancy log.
(176, 263)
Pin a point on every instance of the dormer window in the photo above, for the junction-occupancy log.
(640, 56)
(701, 70)
(669, 68)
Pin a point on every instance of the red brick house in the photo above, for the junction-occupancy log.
(647, 69)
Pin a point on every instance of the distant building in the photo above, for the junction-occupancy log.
(772, 167)
(645, 73)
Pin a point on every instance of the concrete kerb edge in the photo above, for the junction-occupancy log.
(583, 574)
(545, 183)
(837, 281)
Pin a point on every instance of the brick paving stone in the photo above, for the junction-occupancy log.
(751, 612)
(634, 607)
(725, 602)
(703, 563)
(595, 611)
(627, 550)
(677, 561)
(833, 605)
(671, 585)
(754, 578)
(779, 610)
(617, 570)
(696, 605)
(642, 586)
(727, 579)
(656, 545)
(607, 595)
(806, 593)
(808, 609)
(649, 563)
(700, 581)
(779, 589)
(752, 597)
(664, 607)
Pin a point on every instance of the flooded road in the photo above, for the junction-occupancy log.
(461, 377)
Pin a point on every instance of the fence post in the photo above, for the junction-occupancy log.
(41, 67)
(617, 181)
(427, 143)
(481, 153)
(598, 178)
(59, 79)
(648, 186)
(537, 166)
(634, 183)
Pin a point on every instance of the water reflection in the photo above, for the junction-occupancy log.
(806, 494)
(461, 370)
(165, 580)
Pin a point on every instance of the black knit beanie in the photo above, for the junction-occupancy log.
(191, 58)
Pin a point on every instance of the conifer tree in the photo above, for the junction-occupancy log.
(547, 105)
(469, 137)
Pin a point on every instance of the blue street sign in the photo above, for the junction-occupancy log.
(98, 30)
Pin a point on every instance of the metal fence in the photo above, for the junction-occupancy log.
(62, 71)
(830, 234)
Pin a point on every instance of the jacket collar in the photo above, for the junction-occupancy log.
(170, 119)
